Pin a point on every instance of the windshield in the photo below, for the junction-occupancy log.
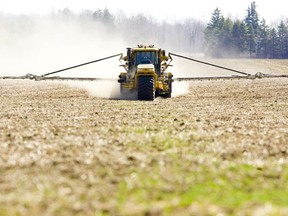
(145, 57)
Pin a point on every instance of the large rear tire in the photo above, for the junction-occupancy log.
(146, 90)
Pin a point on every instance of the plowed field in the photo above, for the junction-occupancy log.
(221, 148)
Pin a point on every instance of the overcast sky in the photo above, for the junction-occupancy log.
(170, 10)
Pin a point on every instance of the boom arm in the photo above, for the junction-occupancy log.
(44, 76)
(247, 75)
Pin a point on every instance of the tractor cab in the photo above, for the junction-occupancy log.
(145, 57)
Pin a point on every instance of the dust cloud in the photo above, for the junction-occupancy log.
(103, 89)
(41, 44)
(180, 88)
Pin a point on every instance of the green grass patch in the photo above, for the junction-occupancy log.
(229, 188)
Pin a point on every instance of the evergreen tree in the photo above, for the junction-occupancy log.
(236, 36)
(251, 40)
(252, 22)
(213, 33)
(226, 39)
(282, 40)
(272, 44)
(254, 17)
(216, 21)
(239, 40)
(243, 38)
(248, 18)
(262, 40)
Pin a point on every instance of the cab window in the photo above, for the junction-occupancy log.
(145, 57)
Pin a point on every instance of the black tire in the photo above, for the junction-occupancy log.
(146, 90)
(170, 93)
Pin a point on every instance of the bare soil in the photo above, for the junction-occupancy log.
(221, 148)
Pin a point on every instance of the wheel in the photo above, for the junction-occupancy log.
(146, 90)
(168, 95)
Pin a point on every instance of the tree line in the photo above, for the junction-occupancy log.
(182, 36)
(250, 37)
(220, 37)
